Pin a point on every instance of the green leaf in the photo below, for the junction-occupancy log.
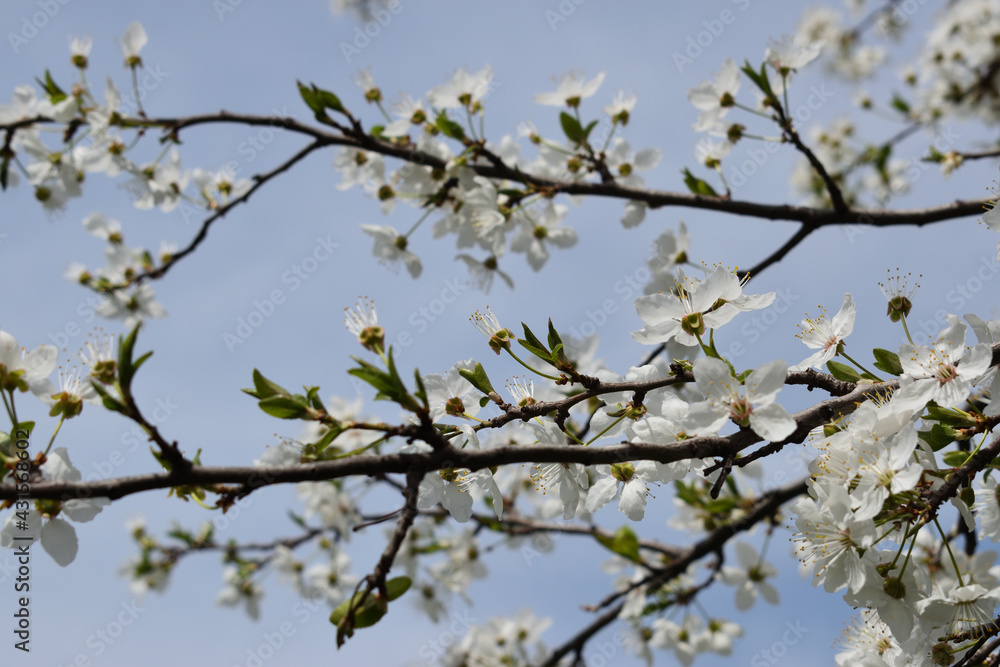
(843, 372)
(687, 493)
(590, 128)
(340, 611)
(374, 376)
(571, 127)
(887, 361)
(559, 358)
(368, 608)
(328, 99)
(264, 388)
(54, 92)
(533, 345)
(956, 459)
(421, 392)
(309, 97)
(312, 394)
(899, 104)
(366, 614)
(140, 361)
(319, 101)
(328, 437)
(448, 127)
(721, 505)
(284, 407)
(477, 378)
(760, 79)
(698, 186)
(553, 337)
(624, 543)
(384, 383)
(881, 160)
(397, 586)
(402, 394)
(387, 383)
(109, 401)
(938, 437)
(126, 367)
(951, 417)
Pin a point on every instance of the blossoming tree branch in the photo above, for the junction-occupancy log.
(902, 489)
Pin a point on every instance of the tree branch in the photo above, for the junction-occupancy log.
(259, 180)
(764, 507)
(958, 476)
(406, 517)
(520, 525)
(818, 217)
(448, 457)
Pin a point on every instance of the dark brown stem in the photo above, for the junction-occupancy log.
(259, 180)
(714, 542)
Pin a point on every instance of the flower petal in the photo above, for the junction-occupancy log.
(59, 541)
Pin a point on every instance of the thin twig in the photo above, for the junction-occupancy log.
(449, 457)
(221, 212)
(764, 508)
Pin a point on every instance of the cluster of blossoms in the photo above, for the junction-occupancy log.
(957, 78)
(22, 371)
(487, 214)
(869, 525)
(874, 482)
(96, 141)
(875, 494)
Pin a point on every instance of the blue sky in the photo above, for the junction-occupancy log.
(246, 56)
